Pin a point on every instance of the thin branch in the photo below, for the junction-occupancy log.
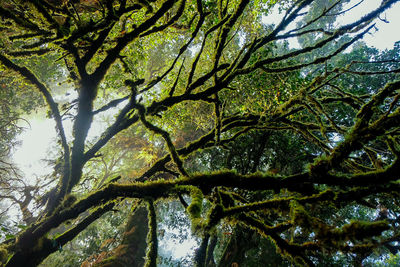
(26, 73)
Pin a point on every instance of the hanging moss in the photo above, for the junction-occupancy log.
(195, 207)
(152, 242)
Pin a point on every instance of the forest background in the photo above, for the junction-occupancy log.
(251, 142)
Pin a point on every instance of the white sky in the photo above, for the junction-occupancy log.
(384, 38)
(388, 33)
(36, 140)
(39, 138)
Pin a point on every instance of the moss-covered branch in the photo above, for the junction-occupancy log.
(152, 243)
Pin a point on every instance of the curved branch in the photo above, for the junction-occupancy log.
(26, 73)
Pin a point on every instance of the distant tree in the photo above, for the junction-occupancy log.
(187, 82)
(16, 99)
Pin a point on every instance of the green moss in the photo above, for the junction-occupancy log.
(319, 165)
(3, 255)
(331, 237)
(216, 214)
(69, 200)
(359, 230)
(152, 242)
(195, 207)
(299, 215)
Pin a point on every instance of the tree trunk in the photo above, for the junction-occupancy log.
(132, 250)
(246, 248)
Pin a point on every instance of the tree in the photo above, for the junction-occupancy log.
(163, 67)
(17, 98)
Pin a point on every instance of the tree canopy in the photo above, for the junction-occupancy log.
(214, 117)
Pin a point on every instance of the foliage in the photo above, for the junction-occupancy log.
(295, 148)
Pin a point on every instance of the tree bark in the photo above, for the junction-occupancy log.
(132, 250)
